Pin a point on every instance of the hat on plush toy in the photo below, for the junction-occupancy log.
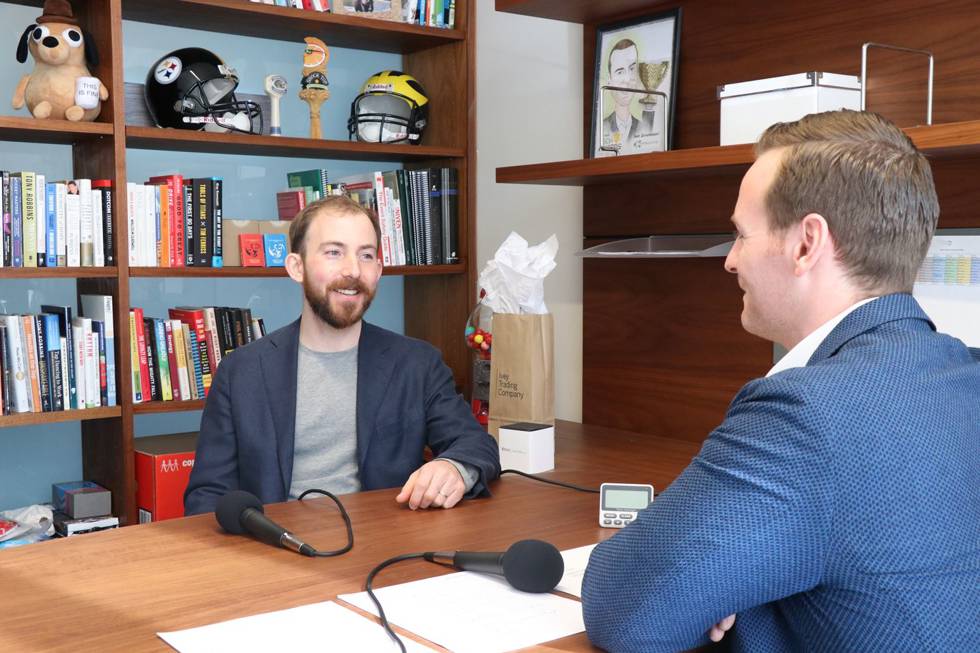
(57, 11)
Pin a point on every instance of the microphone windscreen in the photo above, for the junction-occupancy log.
(230, 507)
(533, 566)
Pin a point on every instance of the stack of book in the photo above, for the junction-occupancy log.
(175, 222)
(55, 223)
(418, 211)
(178, 356)
(52, 361)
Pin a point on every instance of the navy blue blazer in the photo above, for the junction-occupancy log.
(836, 508)
(406, 400)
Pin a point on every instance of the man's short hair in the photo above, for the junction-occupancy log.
(868, 180)
(335, 205)
(621, 44)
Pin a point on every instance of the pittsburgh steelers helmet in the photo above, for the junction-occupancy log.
(192, 88)
(391, 108)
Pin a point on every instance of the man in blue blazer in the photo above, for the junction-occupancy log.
(331, 402)
(837, 506)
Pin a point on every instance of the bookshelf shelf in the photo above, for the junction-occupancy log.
(58, 273)
(243, 18)
(940, 141)
(64, 132)
(31, 419)
(154, 138)
(237, 272)
(577, 11)
(167, 406)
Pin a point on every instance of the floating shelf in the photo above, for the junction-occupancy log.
(577, 11)
(155, 138)
(239, 272)
(243, 18)
(58, 273)
(938, 141)
(33, 419)
(661, 247)
(168, 406)
(62, 132)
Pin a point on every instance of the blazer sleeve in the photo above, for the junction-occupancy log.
(215, 469)
(452, 431)
(745, 524)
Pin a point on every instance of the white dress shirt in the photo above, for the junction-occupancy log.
(799, 355)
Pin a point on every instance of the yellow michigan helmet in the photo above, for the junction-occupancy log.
(392, 107)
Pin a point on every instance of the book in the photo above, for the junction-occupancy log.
(99, 307)
(86, 240)
(193, 317)
(73, 225)
(16, 220)
(315, 179)
(152, 366)
(289, 203)
(180, 353)
(98, 339)
(51, 224)
(98, 229)
(217, 215)
(171, 360)
(5, 212)
(61, 228)
(135, 381)
(194, 362)
(252, 250)
(56, 380)
(64, 315)
(30, 353)
(175, 209)
(41, 351)
(275, 250)
(16, 365)
(144, 369)
(108, 230)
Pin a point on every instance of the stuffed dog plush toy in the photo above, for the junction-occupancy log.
(60, 49)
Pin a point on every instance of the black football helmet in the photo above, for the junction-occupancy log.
(192, 88)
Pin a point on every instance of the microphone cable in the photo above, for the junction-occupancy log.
(343, 513)
(570, 486)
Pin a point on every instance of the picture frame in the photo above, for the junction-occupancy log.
(634, 85)
(383, 9)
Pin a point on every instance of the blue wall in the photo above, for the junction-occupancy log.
(31, 458)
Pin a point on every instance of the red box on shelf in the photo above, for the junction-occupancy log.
(163, 468)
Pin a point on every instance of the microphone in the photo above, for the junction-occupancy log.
(528, 565)
(241, 512)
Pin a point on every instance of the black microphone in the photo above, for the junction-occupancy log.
(241, 512)
(528, 565)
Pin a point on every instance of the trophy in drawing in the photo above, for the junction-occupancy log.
(313, 85)
(651, 76)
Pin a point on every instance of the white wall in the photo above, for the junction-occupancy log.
(529, 110)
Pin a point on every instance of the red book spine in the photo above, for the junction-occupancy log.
(194, 318)
(175, 184)
(172, 360)
(141, 352)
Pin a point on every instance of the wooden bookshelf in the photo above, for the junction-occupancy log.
(288, 24)
(239, 272)
(444, 59)
(578, 11)
(950, 140)
(154, 138)
(150, 407)
(59, 273)
(30, 419)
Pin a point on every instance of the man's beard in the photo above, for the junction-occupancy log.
(347, 314)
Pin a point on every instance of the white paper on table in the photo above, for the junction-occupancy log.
(575, 562)
(317, 627)
(948, 286)
(468, 612)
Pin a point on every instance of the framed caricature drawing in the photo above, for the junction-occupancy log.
(634, 85)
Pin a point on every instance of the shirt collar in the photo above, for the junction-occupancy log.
(799, 355)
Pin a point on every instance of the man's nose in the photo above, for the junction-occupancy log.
(351, 267)
(730, 259)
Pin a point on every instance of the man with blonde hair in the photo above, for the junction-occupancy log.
(837, 506)
(331, 402)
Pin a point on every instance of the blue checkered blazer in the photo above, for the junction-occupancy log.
(837, 508)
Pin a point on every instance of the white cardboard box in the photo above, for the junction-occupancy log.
(527, 447)
(748, 108)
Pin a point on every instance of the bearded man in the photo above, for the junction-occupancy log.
(331, 402)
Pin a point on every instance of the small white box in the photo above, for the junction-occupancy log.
(527, 447)
(748, 108)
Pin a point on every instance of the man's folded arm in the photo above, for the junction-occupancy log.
(453, 432)
(215, 469)
(745, 524)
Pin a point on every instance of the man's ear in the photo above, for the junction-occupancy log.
(294, 267)
(814, 242)
(91, 52)
(22, 44)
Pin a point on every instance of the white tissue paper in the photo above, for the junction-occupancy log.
(514, 279)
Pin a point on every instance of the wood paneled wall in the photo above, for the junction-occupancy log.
(664, 351)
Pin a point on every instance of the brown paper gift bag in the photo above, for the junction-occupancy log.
(522, 370)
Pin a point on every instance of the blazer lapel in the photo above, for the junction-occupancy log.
(279, 371)
(374, 367)
(888, 308)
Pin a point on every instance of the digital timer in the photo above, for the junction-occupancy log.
(619, 503)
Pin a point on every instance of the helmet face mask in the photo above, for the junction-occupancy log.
(391, 108)
(193, 89)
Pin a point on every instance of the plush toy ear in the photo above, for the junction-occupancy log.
(22, 45)
(91, 54)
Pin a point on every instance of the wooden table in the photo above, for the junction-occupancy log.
(114, 590)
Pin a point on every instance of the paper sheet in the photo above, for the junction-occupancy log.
(948, 286)
(575, 562)
(474, 613)
(317, 627)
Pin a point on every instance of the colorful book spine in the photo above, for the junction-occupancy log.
(51, 222)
